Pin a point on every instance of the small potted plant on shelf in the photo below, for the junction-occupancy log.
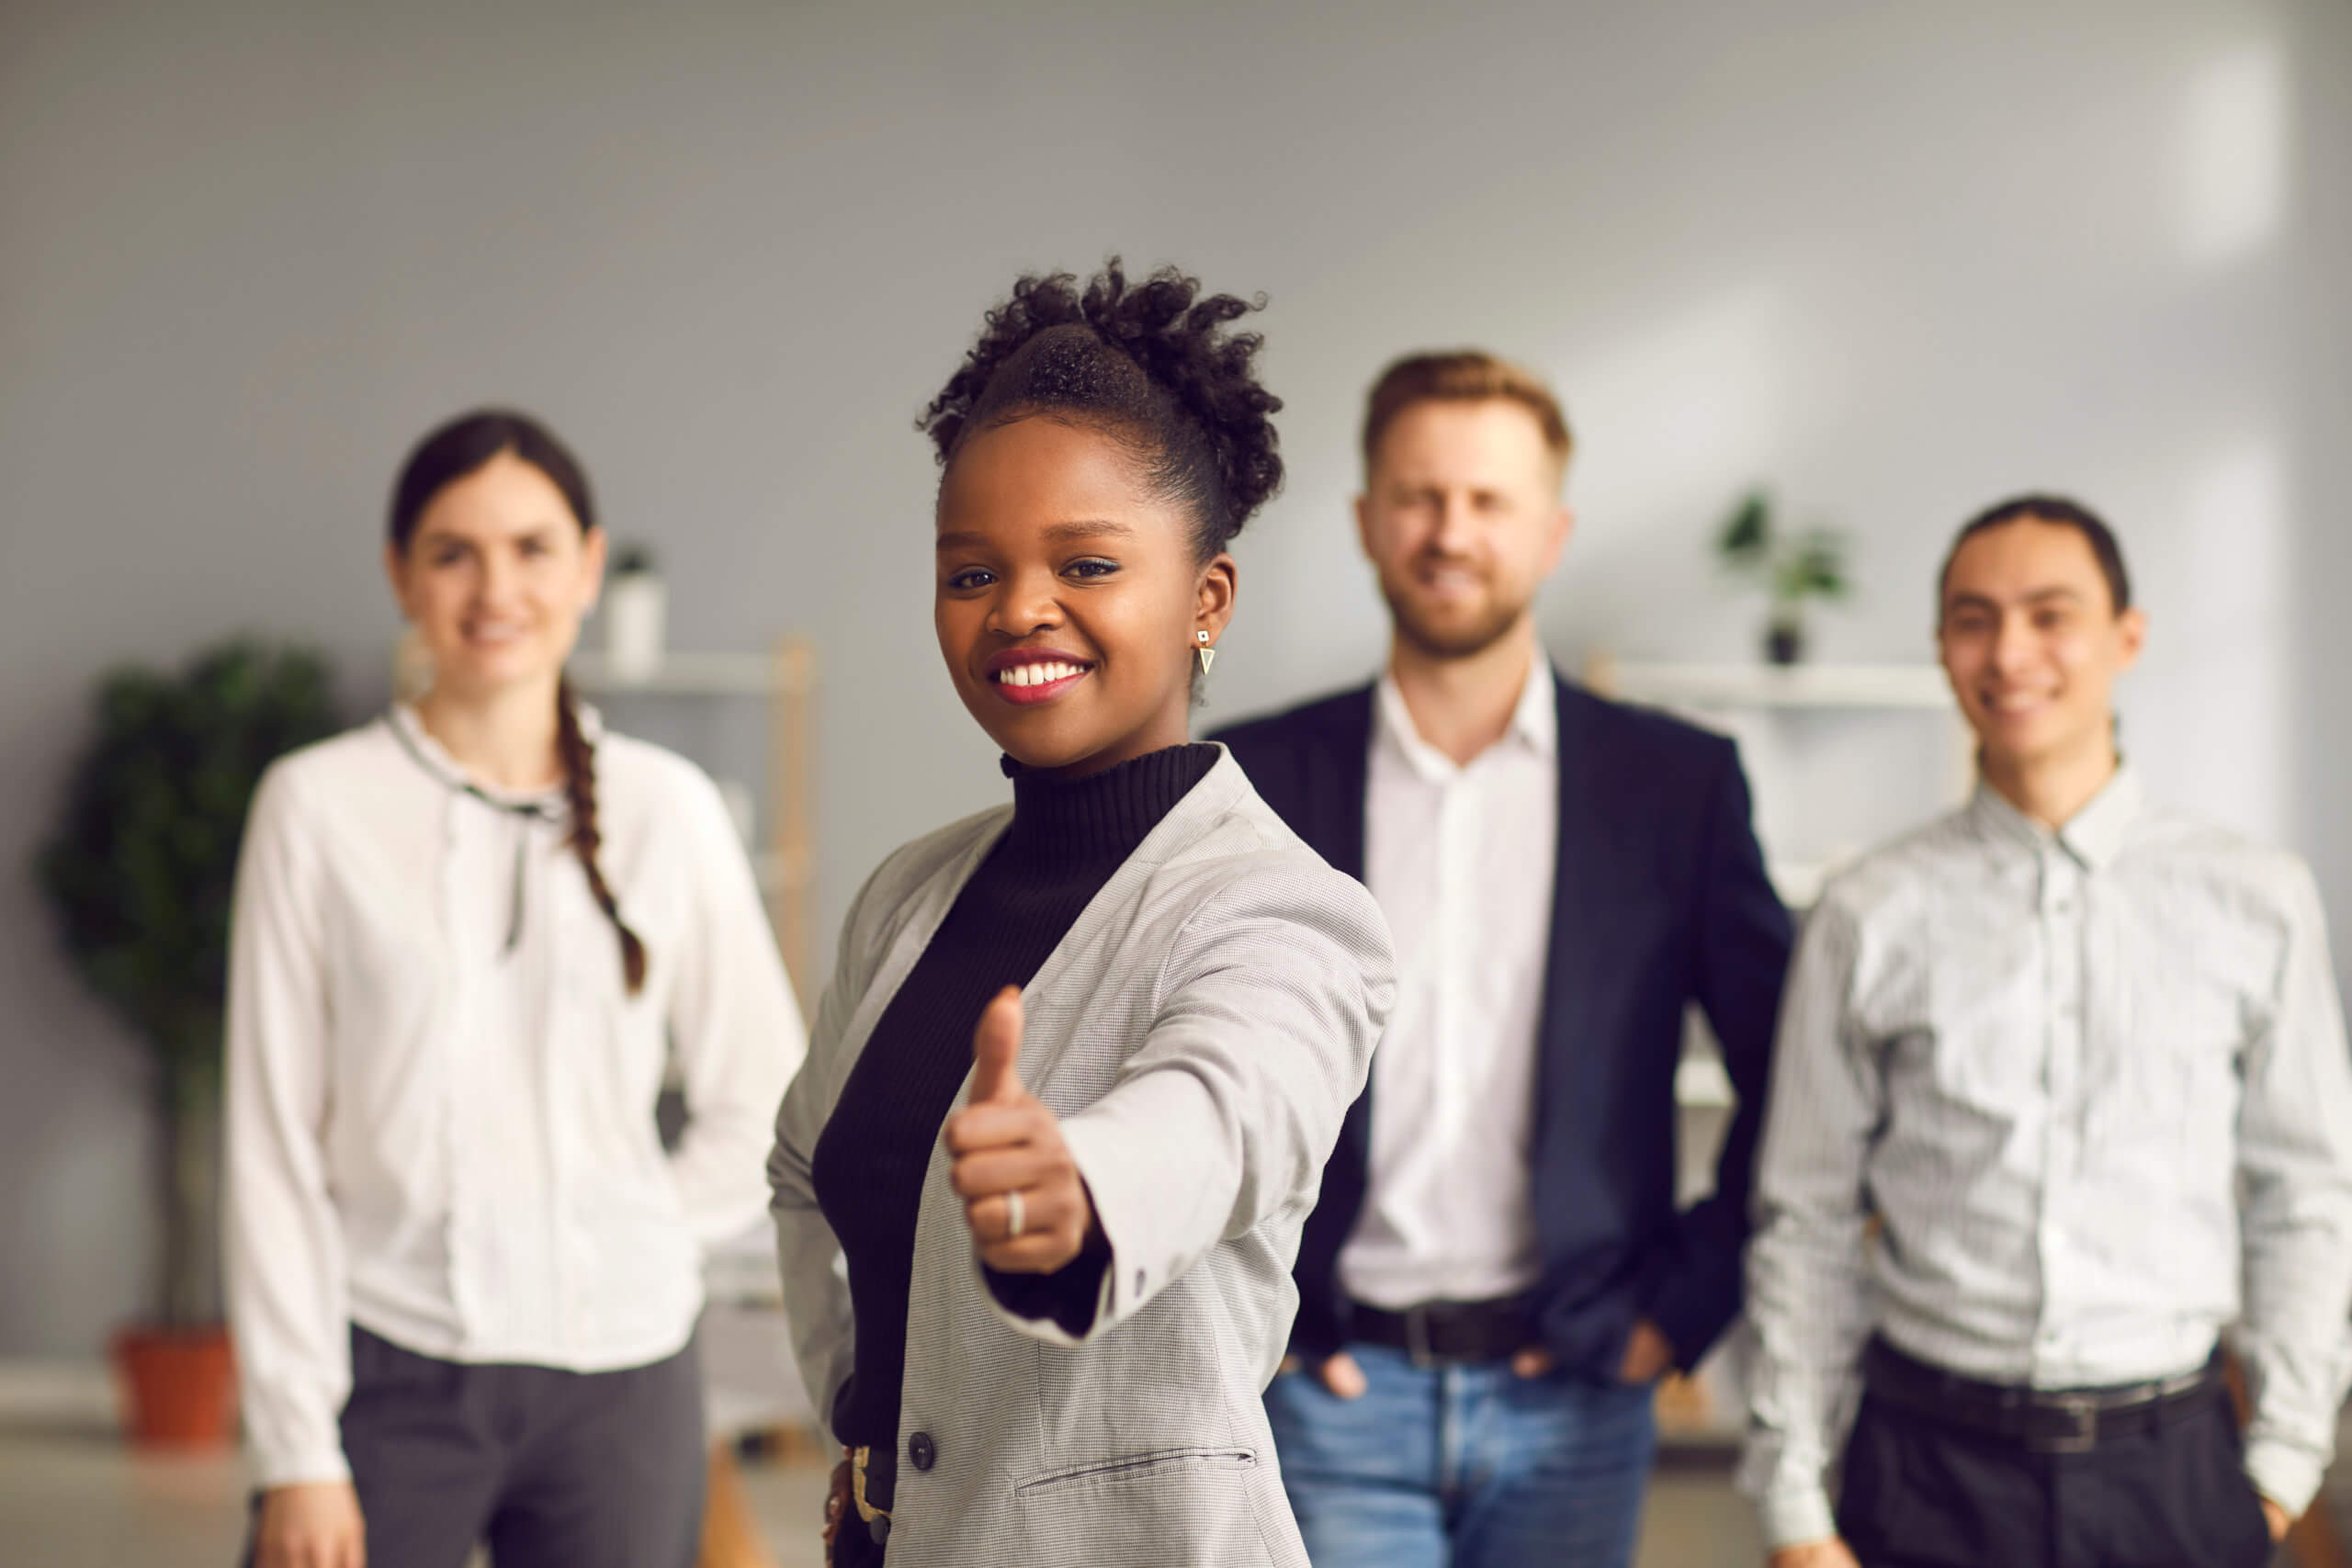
(137, 876)
(1810, 565)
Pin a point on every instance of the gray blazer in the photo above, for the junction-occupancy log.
(1201, 1031)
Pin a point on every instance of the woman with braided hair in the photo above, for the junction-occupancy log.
(1070, 1092)
(463, 1274)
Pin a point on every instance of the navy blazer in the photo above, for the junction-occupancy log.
(1660, 898)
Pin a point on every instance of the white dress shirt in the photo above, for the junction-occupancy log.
(440, 1095)
(1460, 859)
(2094, 1087)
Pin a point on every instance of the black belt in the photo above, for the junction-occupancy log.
(2044, 1421)
(1438, 1334)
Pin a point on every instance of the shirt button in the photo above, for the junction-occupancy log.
(922, 1450)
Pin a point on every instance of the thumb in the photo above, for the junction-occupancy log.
(1344, 1377)
(996, 1049)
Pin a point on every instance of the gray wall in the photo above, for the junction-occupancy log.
(1898, 260)
(2323, 418)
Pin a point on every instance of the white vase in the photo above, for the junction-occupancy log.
(636, 609)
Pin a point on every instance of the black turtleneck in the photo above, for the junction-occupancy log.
(1066, 837)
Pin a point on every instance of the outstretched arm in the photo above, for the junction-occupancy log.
(1271, 997)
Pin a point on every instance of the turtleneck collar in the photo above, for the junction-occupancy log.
(1102, 816)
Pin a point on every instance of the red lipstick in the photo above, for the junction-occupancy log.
(1027, 676)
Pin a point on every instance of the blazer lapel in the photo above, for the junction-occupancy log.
(1336, 771)
(1580, 872)
(1338, 776)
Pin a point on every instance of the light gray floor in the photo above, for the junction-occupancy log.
(71, 1496)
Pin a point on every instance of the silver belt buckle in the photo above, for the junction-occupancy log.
(2082, 1410)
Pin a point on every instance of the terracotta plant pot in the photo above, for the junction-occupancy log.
(178, 1386)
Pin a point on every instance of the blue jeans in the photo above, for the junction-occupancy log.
(1463, 1466)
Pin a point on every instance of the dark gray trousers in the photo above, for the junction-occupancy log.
(551, 1469)
(1920, 1494)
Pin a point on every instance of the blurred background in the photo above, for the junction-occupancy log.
(1892, 261)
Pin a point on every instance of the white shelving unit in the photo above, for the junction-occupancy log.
(785, 678)
(1733, 687)
(687, 674)
(1715, 691)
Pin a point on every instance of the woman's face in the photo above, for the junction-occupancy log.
(496, 578)
(1069, 602)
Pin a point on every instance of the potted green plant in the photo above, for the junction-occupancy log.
(1810, 565)
(137, 876)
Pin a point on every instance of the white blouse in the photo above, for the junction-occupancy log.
(440, 1095)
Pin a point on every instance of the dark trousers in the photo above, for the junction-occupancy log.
(551, 1469)
(1920, 1494)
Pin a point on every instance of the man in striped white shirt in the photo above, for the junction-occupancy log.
(2061, 1091)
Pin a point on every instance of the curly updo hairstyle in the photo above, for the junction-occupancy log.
(1151, 365)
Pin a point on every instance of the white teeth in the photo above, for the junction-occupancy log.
(1038, 675)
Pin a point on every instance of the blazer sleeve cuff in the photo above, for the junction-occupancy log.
(1088, 1303)
(1691, 1316)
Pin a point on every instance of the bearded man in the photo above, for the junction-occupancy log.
(1496, 1272)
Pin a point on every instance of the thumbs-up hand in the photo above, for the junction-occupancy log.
(1022, 1196)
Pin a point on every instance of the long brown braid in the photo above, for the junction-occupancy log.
(451, 452)
(579, 760)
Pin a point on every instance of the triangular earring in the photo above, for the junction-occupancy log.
(1208, 654)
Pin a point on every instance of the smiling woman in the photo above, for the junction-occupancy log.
(468, 939)
(1100, 449)
(1143, 1128)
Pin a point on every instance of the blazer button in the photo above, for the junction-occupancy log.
(922, 1451)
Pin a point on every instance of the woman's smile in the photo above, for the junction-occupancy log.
(1027, 676)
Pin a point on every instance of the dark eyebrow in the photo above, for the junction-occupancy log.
(527, 531)
(1966, 601)
(1088, 528)
(1056, 533)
